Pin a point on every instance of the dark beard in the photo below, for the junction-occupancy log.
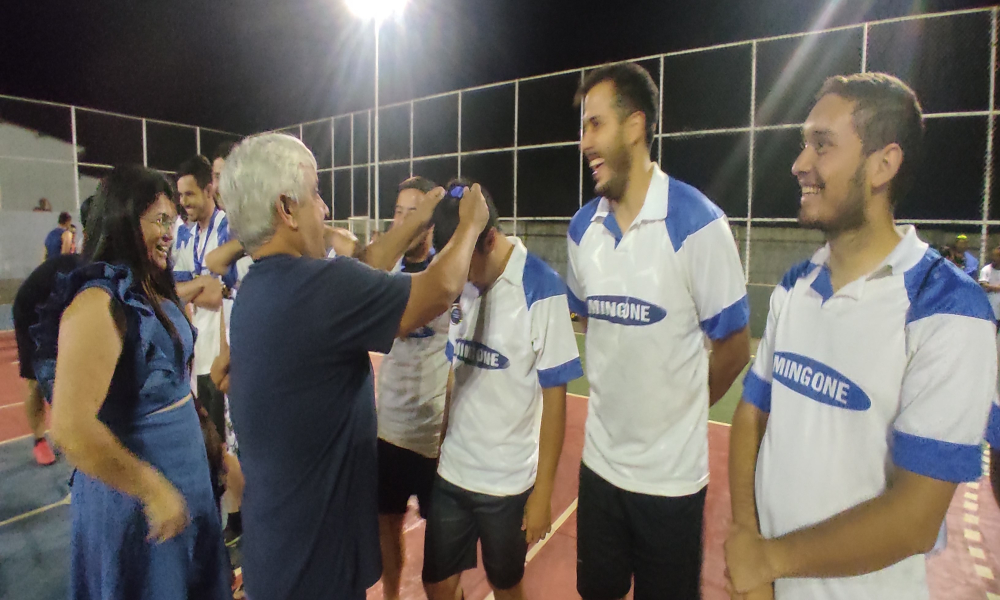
(620, 164)
(853, 215)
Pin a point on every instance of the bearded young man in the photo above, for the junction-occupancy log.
(655, 275)
(858, 418)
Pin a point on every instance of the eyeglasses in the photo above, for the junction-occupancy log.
(165, 222)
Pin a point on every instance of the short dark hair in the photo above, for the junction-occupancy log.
(222, 150)
(634, 92)
(421, 184)
(198, 167)
(886, 111)
(445, 218)
(65, 217)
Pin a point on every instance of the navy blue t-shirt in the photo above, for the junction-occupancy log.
(53, 243)
(303, 407)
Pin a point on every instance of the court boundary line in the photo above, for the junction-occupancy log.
(37, 511)
(534, 550)
(14, 439)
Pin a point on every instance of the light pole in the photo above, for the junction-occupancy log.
(377, 11)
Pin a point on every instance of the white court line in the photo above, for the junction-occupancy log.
(565, 515)
(562, 518)
(11, 405)
(37, 511)
(14, 439)
(555, 527)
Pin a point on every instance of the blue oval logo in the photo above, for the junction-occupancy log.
(479, 355)
(815, 380)
(456, 314)
(422, 333)
(624, 310)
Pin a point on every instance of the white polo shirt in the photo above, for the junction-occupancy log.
(191, 247)
(861, 382)
(505, 346)
(992, 276)
(653, 295)
(411, 387)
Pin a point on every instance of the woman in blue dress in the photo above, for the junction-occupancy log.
(144, 519)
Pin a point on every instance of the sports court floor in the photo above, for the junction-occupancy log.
(34, 517)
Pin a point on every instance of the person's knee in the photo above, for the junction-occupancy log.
(390, 528)
(448, 589)
(515, 592)
(505, 579)
(34, 401)
(391, 524)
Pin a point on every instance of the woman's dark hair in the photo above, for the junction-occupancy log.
(114, 234)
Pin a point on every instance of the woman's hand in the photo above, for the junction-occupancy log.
(165, 510)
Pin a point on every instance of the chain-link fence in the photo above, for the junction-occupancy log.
(730, 125)
(52, 157)
(730, 120)
(59, 152)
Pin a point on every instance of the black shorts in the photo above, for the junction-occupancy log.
(25, 349)
(458, 519)
(621, 535)
(403, 473)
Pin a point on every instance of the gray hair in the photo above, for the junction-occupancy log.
(259, 170)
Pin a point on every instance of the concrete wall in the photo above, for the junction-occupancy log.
(43, 169)
(773, 250)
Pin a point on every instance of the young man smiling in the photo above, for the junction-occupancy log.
(208, 230)
(858, 418)
(655, 274)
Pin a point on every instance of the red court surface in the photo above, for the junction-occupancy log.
(965, 570)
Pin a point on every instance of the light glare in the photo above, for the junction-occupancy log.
(379, 10)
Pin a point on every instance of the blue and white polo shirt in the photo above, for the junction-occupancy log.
(654, 295)
(505, 346)
(191, 247)
(864, 381)
(412, 379)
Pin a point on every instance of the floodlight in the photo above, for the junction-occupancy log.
(379, 10)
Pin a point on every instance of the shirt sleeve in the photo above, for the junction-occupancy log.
(183, 261)
(993, 426)
(948, 388)
(984, 274)
(575, 294)
(557, 358)
(757, 382)
(716, 278)
(971, 264)
(365, 305)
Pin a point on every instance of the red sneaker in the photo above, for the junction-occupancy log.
(43, 453)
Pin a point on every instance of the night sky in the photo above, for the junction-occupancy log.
(259, 64)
